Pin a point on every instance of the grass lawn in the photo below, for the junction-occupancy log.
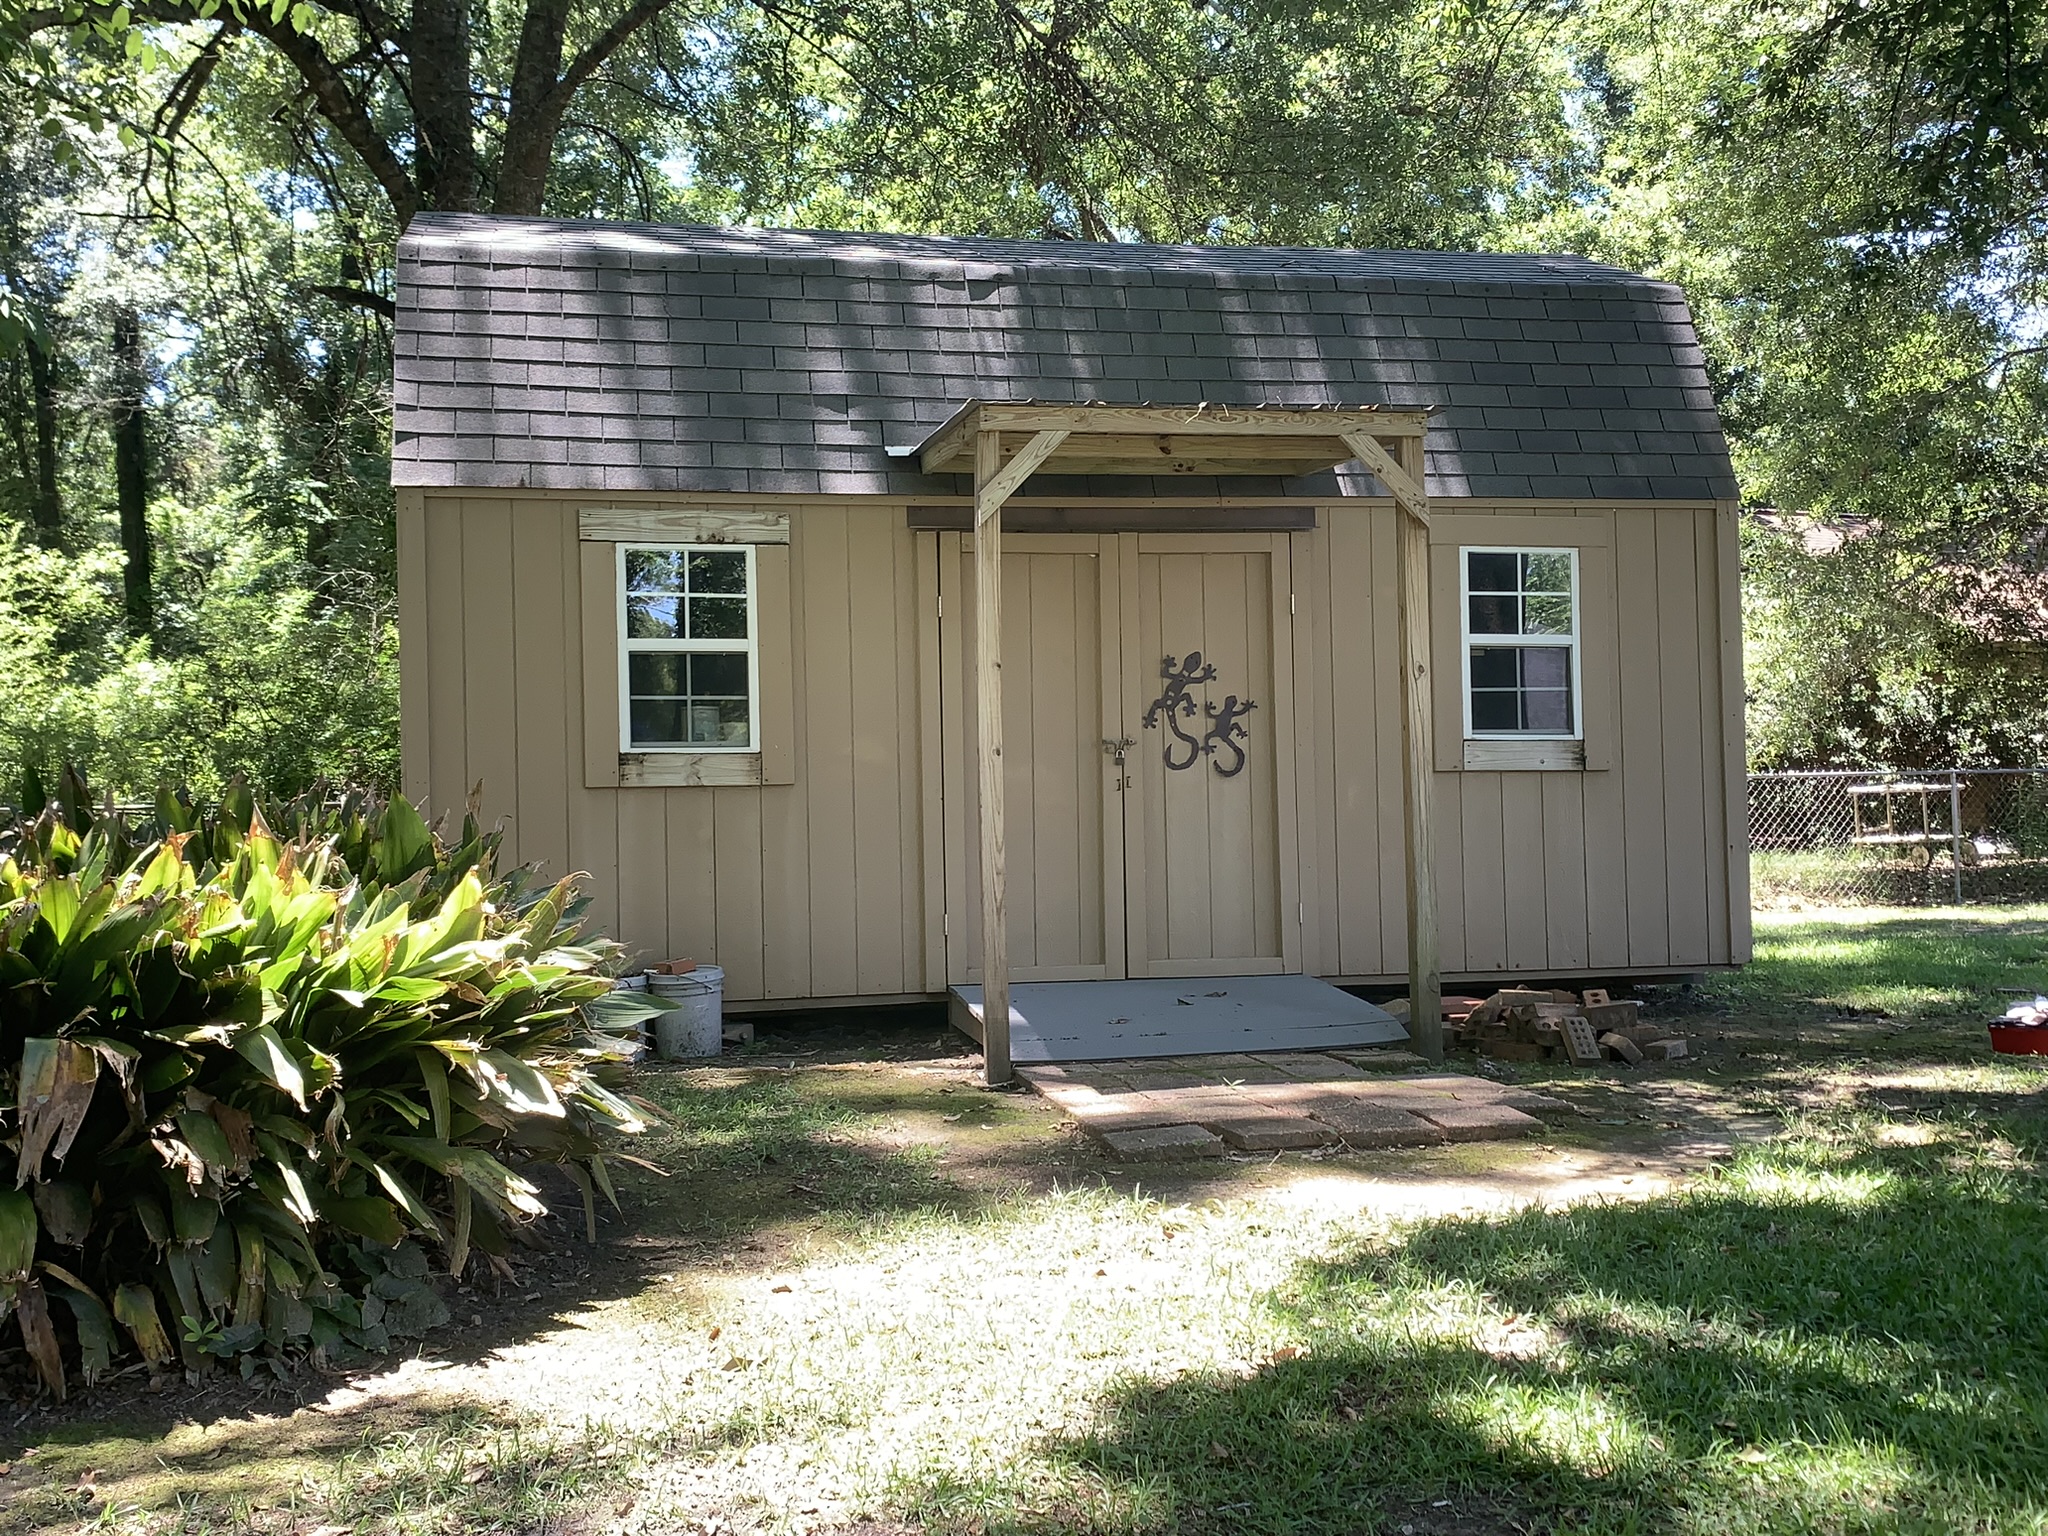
(873, 1297)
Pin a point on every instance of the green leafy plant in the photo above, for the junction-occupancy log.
(256, 1056)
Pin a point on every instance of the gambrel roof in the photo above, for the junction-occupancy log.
(589, 357)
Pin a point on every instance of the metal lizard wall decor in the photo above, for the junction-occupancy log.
(1225, 728)
(1175, 702)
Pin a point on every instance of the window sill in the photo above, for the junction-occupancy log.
(688, 770)
(1492, 754)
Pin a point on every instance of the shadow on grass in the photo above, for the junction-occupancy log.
(416, 1465)
(1914, 968)
(749, 1152)
(1839, 1335)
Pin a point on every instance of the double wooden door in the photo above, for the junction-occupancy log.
(1148, 740)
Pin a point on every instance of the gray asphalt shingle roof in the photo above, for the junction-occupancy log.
(619, 357)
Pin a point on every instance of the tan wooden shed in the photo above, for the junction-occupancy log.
(688, 572)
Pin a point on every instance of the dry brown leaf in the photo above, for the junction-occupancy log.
(57, 1080)
(32, 1309)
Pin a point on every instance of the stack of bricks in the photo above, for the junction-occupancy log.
(1529, 1024)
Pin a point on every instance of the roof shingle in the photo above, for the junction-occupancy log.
(592, 356)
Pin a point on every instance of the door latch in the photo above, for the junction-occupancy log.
(1116, 749)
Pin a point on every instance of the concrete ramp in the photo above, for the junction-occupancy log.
(1204, 1016)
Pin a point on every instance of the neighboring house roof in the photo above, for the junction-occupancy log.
(2002, 604)
(588, 357)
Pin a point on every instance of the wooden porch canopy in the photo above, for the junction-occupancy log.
(1003, 444)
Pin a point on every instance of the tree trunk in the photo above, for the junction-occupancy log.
(46, 508)
(445, 166)
(131, 477)
(533, 117)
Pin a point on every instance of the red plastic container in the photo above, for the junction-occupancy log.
(2020, 1039)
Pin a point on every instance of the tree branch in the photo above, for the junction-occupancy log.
(357, 298)
(330, 88)
(605, 44)
(540, 100)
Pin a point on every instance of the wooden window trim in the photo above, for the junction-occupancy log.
(605, 766)
(691, 525)
(1539, 754)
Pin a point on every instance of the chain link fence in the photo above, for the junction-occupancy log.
(1857, 837)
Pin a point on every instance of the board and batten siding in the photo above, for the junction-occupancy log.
(806, 889)
(833, 885)
(1638, 862)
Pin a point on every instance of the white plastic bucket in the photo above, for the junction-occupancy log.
(696, 1026)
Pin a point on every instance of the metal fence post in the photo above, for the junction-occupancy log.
(1955, 828)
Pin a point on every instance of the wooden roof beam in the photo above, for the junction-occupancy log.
(1402, 486)
(950, 449)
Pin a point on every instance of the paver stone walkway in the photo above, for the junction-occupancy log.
(1203, 1106)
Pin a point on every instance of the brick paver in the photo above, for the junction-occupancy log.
(1196, 1106)
(1272, 1133)
(1479, 1122)
(1161, 1143)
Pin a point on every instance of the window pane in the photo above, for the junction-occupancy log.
(1493, 666)
(720, 674)
(1547, 615)
(1547, 573)
(654, 618)
(718, 618)
(1522, 688)
(681, 699)
(703, 719)
(732, 722)
(688, 698)
(1547, 709)
(1494, 616)
(656, 673)
(718, 723)
(657, 722)
(1495, 711)
(654, 570)
(721, 572)
(1547, 666)
(1490, 573)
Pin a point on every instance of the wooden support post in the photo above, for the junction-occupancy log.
(988, 712)
(1425, 982)
(994, 484)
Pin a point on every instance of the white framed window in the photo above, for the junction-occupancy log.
(1519, 630)
(689, 648)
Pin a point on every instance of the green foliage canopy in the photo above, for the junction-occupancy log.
(1853, 192)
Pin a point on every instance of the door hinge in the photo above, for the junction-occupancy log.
(942, 605)
(1290, 603)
